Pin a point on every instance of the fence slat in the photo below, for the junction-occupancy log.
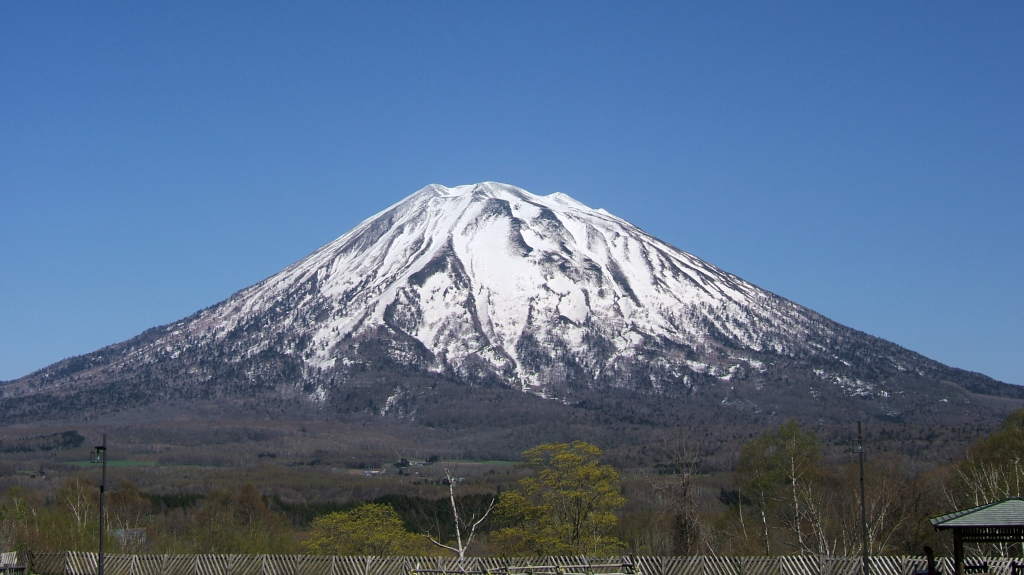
(77, 563)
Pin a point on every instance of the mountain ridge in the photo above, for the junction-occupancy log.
(488, 284)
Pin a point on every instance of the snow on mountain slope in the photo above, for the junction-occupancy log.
(489, 283)
(490, 272)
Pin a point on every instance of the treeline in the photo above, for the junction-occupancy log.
(224, 520)
(783, 497)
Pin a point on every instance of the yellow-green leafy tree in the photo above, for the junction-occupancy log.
(567, 507)
(73, 524)
(370, 529)
(15, 518)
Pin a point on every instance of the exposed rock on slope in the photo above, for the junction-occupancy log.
(489, 284)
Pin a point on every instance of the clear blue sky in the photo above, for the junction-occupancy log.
(865, 159)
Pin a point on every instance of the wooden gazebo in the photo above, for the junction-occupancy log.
(999, 522)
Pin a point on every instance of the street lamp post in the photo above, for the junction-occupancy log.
(858, 448)
(99, 455)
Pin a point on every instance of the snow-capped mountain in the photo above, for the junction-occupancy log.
(490, 279)
(489, 284)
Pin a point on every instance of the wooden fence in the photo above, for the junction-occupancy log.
(73, 563)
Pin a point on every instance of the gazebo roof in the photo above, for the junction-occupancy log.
(1005, 513)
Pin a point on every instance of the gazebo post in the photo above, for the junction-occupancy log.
(958, 553)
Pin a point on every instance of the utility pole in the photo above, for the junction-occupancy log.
(99, 455)
(859, 449)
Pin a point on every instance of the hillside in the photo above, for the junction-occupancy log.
(462, 307)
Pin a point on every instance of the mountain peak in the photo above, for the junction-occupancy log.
(489, 280)
(490, 283)
(498, 190)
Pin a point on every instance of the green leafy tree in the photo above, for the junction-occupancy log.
(758, 478)
(798, 454)
(777, 470)
(567, 508)
(370, 529)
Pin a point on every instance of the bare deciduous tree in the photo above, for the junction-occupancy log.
(79, 496)
(462, 525)
(128, 509)
(690, 534)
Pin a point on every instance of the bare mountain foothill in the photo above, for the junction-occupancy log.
(473, 323)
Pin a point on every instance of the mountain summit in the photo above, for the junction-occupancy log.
(490, 281)
(486, 285)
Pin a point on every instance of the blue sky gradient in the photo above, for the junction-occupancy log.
(863, 159)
